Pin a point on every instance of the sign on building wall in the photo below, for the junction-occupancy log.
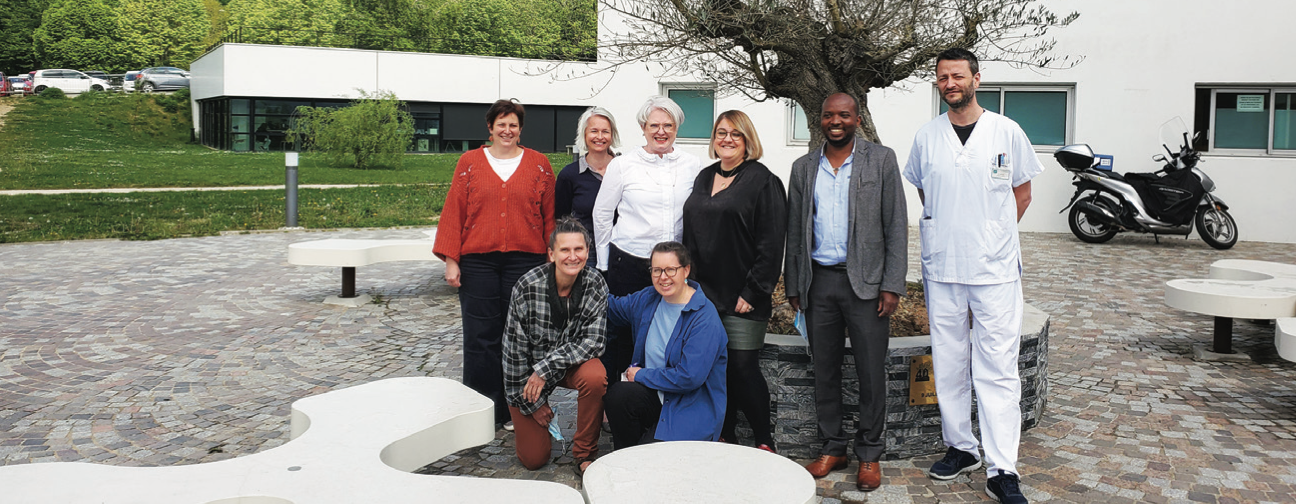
(1250, 103)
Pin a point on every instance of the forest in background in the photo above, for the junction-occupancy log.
(120, 35)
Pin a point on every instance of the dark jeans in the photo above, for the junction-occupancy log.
(626, 274)
(833, 315)
(633, 411)
(486, 285)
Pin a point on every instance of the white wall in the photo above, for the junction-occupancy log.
(1142, 62)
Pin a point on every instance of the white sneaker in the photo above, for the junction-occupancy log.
(508, 426)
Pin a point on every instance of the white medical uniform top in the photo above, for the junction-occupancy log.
(969, 219)
(645, 193)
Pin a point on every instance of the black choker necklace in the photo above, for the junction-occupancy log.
(730, 173)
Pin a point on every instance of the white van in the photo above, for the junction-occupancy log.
(70, 81)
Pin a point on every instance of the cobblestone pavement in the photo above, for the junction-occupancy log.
(191, 350)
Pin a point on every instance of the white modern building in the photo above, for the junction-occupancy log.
(1143, 64)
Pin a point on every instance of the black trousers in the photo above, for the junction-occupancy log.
(626, 274)
(833, 315)
(633, 410)
(486, 285)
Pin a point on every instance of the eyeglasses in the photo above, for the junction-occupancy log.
(669, 271)
(734, 134)
(664, 127)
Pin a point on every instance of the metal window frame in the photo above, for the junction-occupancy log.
(667, 87)
(1068, 87)
(1214, 146)
(790, 125)
(1273, 113)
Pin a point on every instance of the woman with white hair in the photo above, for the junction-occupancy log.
(579, 182)
(645, 190)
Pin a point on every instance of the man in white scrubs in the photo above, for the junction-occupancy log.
(972, 168)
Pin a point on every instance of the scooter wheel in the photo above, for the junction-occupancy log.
(1086, 230)
(1217, 228)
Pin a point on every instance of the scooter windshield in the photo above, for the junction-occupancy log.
(1172, 134)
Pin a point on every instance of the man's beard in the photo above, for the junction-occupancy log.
(845, 140)
(963, 102)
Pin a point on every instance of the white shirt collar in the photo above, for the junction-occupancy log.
(669, 157)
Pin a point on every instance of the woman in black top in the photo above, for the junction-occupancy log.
(734, 222)
(578, 183)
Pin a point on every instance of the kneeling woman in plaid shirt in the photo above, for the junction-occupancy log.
(556, 328)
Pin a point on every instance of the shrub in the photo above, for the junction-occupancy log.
(53, 93)
(374, 130)
(173, 102)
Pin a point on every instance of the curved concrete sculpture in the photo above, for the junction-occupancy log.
(348, 446)
(696, 471)
(1239, 288)
(350, 254)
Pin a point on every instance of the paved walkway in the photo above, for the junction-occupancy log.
(191, 350)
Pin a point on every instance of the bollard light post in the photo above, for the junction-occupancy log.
(290, 163)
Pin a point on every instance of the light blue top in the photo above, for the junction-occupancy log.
(831, 212)
(663, 324)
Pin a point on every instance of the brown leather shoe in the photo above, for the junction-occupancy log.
(870, 476)
(826, 464)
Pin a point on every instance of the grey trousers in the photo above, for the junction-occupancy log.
(833, 315)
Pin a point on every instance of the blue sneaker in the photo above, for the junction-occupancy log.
(954, 463)
(1006, 488)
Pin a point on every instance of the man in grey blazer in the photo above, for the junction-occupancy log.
(847, 243)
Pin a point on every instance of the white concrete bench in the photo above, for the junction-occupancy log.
(696, 471)
(1239, 288)
(349, 254)
(348, 446)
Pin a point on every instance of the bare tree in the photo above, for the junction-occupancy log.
(805, 50)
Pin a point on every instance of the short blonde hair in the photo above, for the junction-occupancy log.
(666, 105)
(742, 124)
(583, 124)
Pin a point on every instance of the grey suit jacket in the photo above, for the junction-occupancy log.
(877, 245)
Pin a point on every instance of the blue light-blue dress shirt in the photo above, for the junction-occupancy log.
(831, 212)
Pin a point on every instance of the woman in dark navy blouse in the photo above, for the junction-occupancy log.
(578, 183)
(734, 222)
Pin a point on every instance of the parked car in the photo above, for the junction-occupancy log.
(98, 74)
(128, 81)
(19, 86)
(70, 81)
(161, 79)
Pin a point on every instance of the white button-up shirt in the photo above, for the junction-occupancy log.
(646, 193)
(969, 219)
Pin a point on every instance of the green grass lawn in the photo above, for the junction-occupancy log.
(98, 140)
(101, 140)
(151, 216)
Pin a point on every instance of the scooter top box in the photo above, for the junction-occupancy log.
(1104, 162)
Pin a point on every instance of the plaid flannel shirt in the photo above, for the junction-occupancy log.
(532, 343)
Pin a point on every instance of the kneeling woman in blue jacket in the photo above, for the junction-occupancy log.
(675, 388)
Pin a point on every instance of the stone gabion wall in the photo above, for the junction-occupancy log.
(911, 430)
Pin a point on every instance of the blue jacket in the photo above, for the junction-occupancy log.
(693, 381)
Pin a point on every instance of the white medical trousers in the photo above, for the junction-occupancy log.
(982, 357)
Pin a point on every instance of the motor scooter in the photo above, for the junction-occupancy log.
(1167, 201)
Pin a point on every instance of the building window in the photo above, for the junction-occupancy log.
(1045, 113)
(1247, 120)
(798, 127)
(698, 104)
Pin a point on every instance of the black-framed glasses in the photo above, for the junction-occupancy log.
(734, 134)
(670, 271)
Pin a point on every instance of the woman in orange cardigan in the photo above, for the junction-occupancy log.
(494, 228)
